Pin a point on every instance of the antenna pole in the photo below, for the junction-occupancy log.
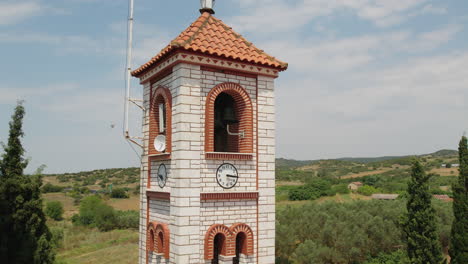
(128, 66)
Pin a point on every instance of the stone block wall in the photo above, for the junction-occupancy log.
(191, 174)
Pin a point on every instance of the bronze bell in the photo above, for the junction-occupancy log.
(229, 116)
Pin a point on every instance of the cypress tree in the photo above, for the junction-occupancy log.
(24, 237)
(459, 236)
(420, 225)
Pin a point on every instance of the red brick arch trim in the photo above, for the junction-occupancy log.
(248, 247)
(160, 95)
(209, 240)
(244, 112)
(150, 237)
(159, 234)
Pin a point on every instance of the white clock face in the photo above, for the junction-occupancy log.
(162, 175)
(227, 176)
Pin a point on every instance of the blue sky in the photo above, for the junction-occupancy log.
(366, 77)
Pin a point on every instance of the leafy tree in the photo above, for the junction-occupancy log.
(54, 210)
(24, 235)
(420, 224)
(459, 235)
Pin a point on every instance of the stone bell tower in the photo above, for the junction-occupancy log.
(208, 171)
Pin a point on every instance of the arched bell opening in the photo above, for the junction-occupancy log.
(218, 247)
(226, 124)
(160, 119)
(229, 120)
(241, 247)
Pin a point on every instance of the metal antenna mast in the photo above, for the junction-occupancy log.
(128, 77)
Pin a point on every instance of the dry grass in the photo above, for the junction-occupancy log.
(289, 183)
(85, 245)
(445, 171)
(69, 208)
(133, 203)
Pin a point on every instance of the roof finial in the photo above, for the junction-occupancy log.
(207, 6)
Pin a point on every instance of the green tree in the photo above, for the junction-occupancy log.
(420, 226)
(459, 235)
(54, 210)
(24, 235)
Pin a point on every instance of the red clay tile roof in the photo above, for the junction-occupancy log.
(210, 35)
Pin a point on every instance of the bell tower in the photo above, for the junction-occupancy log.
(208, 167)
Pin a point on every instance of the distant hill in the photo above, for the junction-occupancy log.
(291, 163)
(444, 153)
(372, 159)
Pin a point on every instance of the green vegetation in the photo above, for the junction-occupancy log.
(119, 193)
(367, 190)
(343, 233)
(25, 237)
(50, 188)
(95, 213)
(420, 227)
(54, 210)
(459, 238)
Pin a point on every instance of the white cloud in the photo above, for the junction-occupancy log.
(414, 104)
(341, 54)
(282, 16)
(431, 9)
(13, 12)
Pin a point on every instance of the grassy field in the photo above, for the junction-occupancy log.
(86, 245)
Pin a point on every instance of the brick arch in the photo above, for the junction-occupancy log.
(150, 237)
(243, 109)
(160, 94)
(248, 247)
(159, 234)
(209, 240)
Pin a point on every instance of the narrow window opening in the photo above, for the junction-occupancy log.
(240, 244)
(217, 248)
(162, 118)
(160, 242)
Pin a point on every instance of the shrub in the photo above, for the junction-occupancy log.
(54, 210)
(119, 193)
(340, 188)
(57, 236)
(128, 219)
(95, 213)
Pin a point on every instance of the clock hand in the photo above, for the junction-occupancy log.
(232, 176)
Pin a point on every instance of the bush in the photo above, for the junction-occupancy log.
(57, 236)
(128, 219)
(54, 210)
(95, 213)
(50, 188)
(119, 193)
(340, 188)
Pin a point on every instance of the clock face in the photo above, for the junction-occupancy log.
(162, 175)
(227, 176)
